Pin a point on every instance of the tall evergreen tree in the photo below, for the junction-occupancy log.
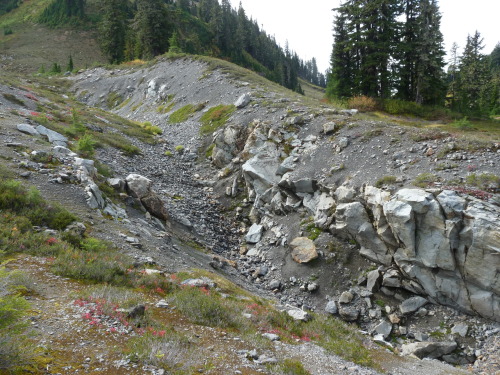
(113, 29)
(151, 28)
(341, 78)
(474, 75)
(429, 84)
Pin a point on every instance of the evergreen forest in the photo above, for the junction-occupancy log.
(393, 50)
(143, 29)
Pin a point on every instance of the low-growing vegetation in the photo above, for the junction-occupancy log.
(184, 113)
(423, 180)
(385, 180)
(484, 181)
(215, 118)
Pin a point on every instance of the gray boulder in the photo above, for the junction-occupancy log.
(138, 186)
(243, 101)
(428, 349)
(27, 129)
(54, 137)
(254, 233)
(412, 304)
(331, 308)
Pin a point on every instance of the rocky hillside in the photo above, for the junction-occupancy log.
(322, 210)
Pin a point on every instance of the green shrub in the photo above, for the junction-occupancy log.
(7, 31)
(179, 148)
(463, 124)
(15, 349)
(215, 117)
(28, 202)
(168, 153)
(86, 145)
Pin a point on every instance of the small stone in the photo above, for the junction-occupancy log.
(460, 329)
(346, 297)
(271, 336)
(331, 308)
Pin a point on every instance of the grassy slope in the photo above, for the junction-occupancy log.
(32, 45)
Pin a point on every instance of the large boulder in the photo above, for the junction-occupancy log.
(429, 349)
(303, 250)
(260, 170)
(138, 186)
(155, 206)
(55, 138)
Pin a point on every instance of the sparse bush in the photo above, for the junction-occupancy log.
(463, 124)
(484, 181)
(290, 367)
(7, 31)
(425, 179)
(362, 103)
(386, 180)
(168, 153)
(210, 310)
(215, 117)
(166, 349)
(179, 149)
(114, 99)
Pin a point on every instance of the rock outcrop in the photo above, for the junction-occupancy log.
(436, 243)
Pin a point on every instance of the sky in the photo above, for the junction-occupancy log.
(308, 25)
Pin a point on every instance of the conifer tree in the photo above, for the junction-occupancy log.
(474, 75)
(113, 29)
(151, 28)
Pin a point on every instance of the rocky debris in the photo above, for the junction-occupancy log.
(138, 186)
(429, 349)
(303, 250)
(271, 336)
(346, 297)
(461, 329)
(373, 280)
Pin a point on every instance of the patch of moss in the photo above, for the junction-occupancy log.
(184, 113)
(114, 99)
(215, 117)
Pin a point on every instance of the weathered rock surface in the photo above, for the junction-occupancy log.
(429, 349)
(303, 250)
